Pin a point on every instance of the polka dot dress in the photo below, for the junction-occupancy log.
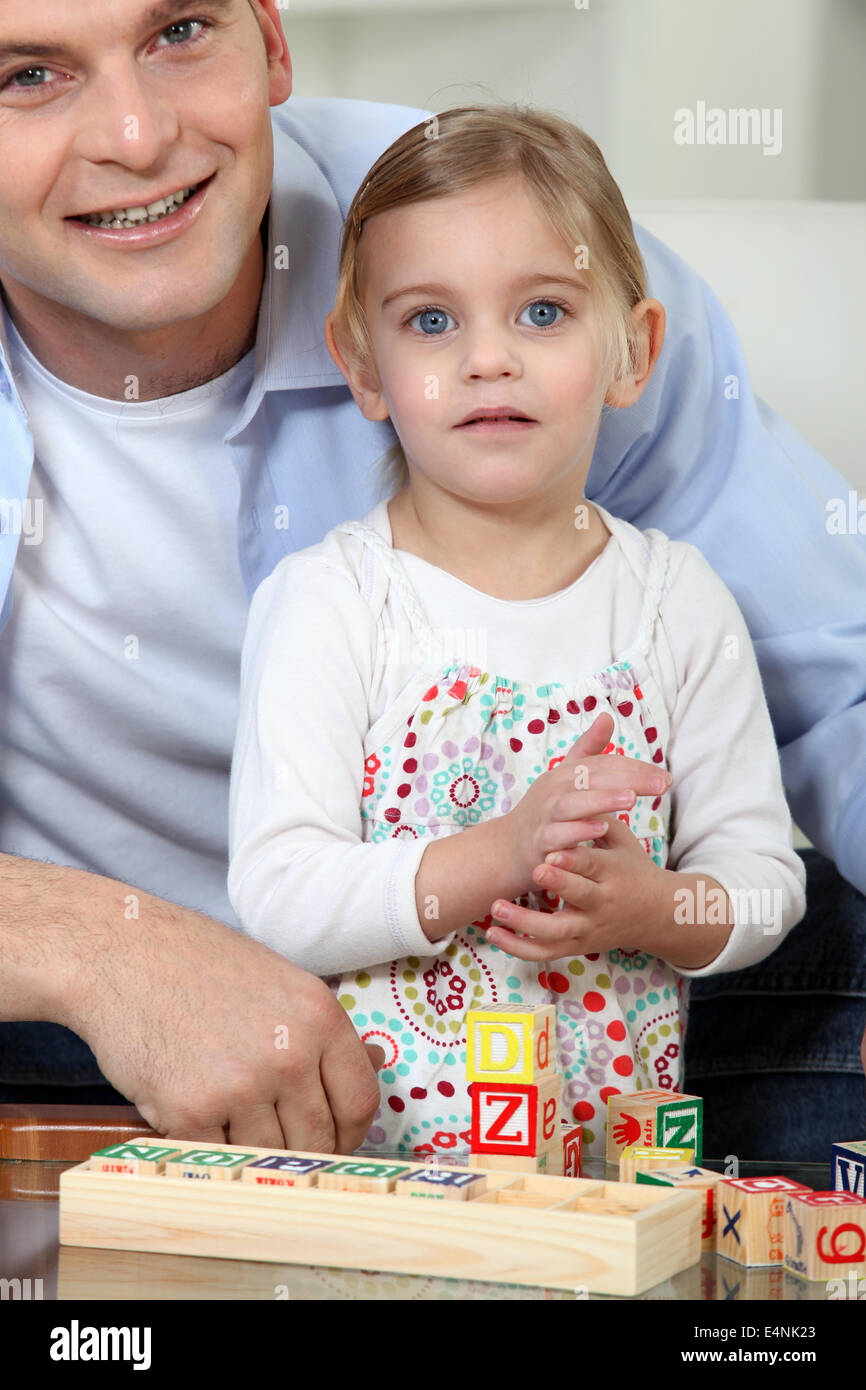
(471, 745)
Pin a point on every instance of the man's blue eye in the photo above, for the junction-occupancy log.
(28, 73)
(542, 313)
(431, 321)
(183, 25)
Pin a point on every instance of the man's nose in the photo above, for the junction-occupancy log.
(124, 119)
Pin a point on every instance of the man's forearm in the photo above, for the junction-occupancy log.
(53, 923)
(693, 920)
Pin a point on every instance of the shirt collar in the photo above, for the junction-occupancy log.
(304, 229)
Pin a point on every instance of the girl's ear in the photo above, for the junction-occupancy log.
(648, 318)
(364, 386)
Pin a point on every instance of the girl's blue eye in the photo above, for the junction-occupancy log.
(431, 321)
(542, 313)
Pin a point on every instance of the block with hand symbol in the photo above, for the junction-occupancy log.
(654, 1119)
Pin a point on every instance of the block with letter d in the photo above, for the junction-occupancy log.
(508, 1042)
(512, 1118)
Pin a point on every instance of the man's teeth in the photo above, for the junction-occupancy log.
(131, 217)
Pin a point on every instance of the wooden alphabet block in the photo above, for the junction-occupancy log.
(132, 1159)
(283, 1171)
(508, 1042)
(515, 1119)
(208, 1164)
(849, 1167)
(825, 1234)
(355, 1175)
(749, 1214)
(680, 1124)
(446, 1184)
(637, 1159)
(654, 1119)
(549, 1163)
(690, 1177)
(572, 1152)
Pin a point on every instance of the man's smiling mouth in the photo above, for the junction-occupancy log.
(135, 215)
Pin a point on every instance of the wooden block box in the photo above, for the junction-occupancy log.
(613, 1238)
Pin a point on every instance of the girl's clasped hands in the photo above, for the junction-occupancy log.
(613, 893)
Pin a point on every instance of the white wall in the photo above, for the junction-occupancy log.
(620, 68)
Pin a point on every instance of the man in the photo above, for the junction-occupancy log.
(167, 259)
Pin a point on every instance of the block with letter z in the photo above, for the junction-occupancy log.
(512, 1118)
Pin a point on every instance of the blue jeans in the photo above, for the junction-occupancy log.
(774, 1050)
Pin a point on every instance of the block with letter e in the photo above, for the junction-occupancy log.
(825, 1234)
(749, 1218)
(512, 1118)
(508, 1042)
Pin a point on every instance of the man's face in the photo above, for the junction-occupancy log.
(113, 105)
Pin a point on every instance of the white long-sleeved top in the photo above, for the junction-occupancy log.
(327, 654)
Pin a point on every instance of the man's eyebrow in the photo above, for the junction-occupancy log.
(525, 282)
(157, 16)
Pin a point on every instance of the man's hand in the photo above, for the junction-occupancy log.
(211, 1035)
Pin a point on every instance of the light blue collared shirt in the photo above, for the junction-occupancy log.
(725, 473)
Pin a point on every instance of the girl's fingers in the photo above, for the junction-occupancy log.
(544, 926)
(525, 949)
(568, 834)
(573, 888)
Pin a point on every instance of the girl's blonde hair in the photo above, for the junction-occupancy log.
(565, 170)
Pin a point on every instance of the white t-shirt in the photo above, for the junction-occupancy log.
(119, 666)
(326, 656)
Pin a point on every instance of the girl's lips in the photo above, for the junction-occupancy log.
(498, 426)
(148, 234)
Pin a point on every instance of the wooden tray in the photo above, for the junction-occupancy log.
(564, 1233)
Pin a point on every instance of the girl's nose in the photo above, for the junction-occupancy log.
(490, 355)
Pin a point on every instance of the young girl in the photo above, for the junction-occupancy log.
(424, 810)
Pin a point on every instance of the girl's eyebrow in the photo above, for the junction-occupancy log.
(524, 282)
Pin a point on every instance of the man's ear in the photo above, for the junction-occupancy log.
(648, 318)
(279, 58)
(364, 387)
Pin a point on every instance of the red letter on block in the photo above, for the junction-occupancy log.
(503, 1118)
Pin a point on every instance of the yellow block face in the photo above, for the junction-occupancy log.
(504, 1043)
(645, 1160)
